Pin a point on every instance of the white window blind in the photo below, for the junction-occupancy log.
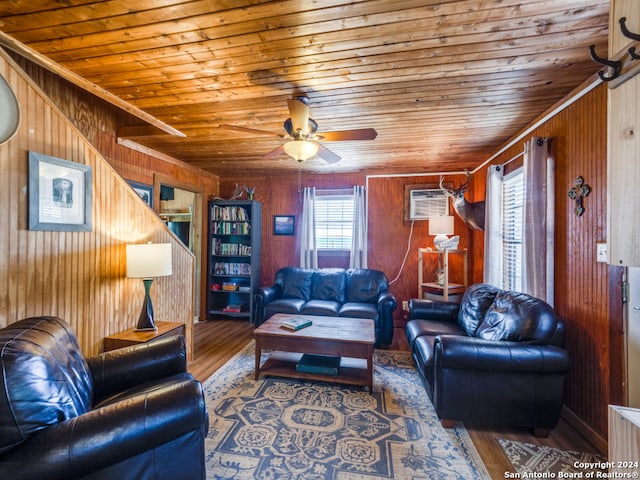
(512, 218)
(334, 221)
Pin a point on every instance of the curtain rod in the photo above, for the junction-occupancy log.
(512, 159)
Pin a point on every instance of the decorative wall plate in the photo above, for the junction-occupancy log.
(9, 111)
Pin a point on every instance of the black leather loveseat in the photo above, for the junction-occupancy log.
(495, 358)
(332, 292)
(132, 413)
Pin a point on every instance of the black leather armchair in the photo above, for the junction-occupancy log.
(495, 358)
(132, 413)
(330, 292)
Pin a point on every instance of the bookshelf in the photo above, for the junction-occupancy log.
(234, 257)
(433, 275)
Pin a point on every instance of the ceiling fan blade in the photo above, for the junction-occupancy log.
(251, 130)
(358, 134)
(299, 115)
(276, 152)
(327, 155)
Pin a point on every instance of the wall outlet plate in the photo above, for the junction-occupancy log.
(405, 305)
(602, 252)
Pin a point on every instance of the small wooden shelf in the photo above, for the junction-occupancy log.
(445, 291)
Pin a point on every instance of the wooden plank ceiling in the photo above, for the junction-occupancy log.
(445, 83)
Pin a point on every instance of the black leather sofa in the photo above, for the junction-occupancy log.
(332, 292)
(133, 413)
(496, 358)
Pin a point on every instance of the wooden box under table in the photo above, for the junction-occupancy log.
(131, 337)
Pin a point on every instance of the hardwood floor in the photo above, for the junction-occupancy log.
(218, 341)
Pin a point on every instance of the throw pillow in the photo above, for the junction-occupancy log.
(474, 305)
(518, 317)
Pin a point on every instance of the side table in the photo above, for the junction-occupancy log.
(131, 337)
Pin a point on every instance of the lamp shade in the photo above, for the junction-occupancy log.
(148, 260)
(300, 150)
(441, 225)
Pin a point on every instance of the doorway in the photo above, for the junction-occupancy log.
(181, 211)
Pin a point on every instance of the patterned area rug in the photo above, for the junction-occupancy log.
(277, 428)
(530, 458)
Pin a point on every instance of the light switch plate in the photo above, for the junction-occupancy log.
(602, 253)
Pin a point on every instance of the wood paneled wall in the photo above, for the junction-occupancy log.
(582, 285)
(388, 233)
(78, 276)
(98, 121)
(582, 296)
(280, 196)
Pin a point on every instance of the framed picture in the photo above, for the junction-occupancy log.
(60, 194)
(284, 224)
(145, 191)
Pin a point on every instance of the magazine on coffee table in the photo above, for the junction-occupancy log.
(296, 323)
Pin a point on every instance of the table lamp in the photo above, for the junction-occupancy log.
(147, 261)
(440, 226)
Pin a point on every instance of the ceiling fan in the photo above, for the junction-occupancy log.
(301, 131)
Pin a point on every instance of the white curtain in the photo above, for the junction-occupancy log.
(308, 247)
(493, 227)
(539, 228)
(358, 258)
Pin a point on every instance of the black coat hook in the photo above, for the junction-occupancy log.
(626, 32)
(615, 65)
(629, 34)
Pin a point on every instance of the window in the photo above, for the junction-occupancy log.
(512, 226)
(334, 220)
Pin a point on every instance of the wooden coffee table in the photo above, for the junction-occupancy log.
(352, 339)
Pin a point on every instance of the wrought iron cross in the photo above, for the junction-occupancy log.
(577, 193)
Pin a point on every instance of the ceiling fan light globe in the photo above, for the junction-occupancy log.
(300, 150)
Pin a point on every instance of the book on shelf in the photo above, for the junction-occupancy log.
(218, 247)
(223, 227)
(225, 268)
(229, 213)
(229, 286)
(296, 323)
(234, 308)
(322, 364)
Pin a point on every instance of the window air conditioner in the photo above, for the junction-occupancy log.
(427, 203)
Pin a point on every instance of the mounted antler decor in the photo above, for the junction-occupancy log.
(471, 212)
(579, 191)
